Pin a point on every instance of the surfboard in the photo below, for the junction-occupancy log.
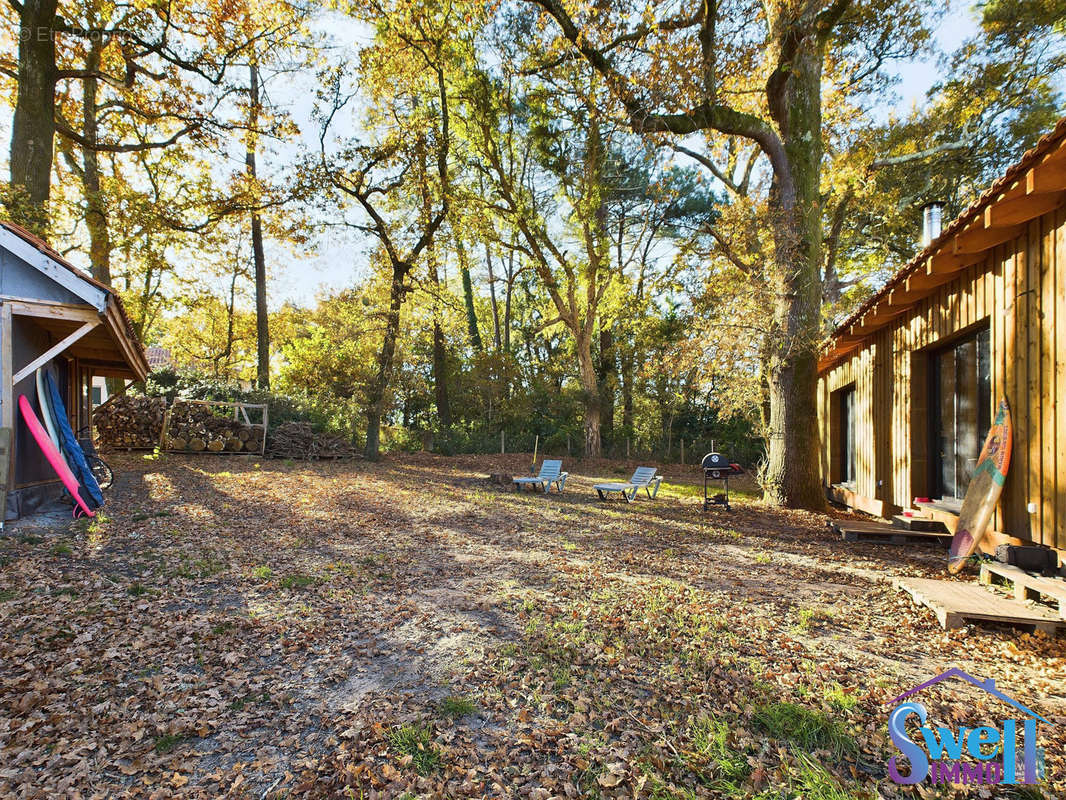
(984, 490)
(77, 491)
(46, 408)
(69, 446)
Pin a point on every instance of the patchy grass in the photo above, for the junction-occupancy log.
(414, 743)
(812, 781)
(840, 698)
(712, 755)
(7, 594)
(298, 580)
(137, 590)
(167, 742)
(456, 707)
(262, 573)
(810, 729)
(806, 618)
(206, 566)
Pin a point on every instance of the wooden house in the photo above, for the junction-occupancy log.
(53, 313)
(908, 383)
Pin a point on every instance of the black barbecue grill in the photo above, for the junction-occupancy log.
(717, 467)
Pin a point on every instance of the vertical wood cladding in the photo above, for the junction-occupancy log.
(1019, 292)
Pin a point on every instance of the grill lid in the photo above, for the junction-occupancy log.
(715, 461)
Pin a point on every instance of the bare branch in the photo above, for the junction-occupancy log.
(921, 155)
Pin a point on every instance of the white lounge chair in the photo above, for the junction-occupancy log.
(551, 471)
(643, 477)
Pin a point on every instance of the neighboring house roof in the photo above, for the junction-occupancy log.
(987, 686)
(114, 309)
(1031, 187)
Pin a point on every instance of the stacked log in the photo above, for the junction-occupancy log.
(298, 440)
(199, 428)
(130, 421)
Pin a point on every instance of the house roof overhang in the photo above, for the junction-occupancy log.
(111, 347)
(1032, 187)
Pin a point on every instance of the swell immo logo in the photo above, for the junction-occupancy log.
(1004, 751)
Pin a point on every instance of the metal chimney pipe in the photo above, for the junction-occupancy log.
(932, 220)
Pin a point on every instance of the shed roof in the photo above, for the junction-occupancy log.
(1033, 186)
(113, 312)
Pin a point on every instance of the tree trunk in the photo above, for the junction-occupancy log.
(492, 296)
(607, 379)
(793, 474)
(376, 394)
(468, 297)
(33, 127)
(590, 389)
(262, 318)
(96, 215)
(440, 376)
(627, 394)
(440, 354)
(507, 303)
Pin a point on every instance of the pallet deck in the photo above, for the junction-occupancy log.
(955, 603)
(1026, 586)
(883, 533)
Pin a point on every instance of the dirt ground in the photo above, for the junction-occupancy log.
(237, 628)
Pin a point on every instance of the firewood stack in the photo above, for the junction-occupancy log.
(198, 428)
(298, 440)
(130, 421)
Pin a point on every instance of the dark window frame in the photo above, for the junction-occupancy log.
(846, 411)
(980, 335)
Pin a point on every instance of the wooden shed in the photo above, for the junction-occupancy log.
(52, 313)
(908, 383)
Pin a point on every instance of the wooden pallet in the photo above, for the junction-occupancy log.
(955, 603)
(882, 533)
(926, 524)
(1026, 586)
(944, 513)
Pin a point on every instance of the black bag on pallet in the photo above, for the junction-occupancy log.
(1029, 558)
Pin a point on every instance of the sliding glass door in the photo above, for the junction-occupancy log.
(961, 411)
(847, 435)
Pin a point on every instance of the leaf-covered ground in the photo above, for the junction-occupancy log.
(271, 630)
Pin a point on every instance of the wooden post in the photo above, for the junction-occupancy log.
(266, 426)
(7, 402)
(533, 465)
(502, 448)
(7, 386)
(682, 451)
(627, 448)
(6, 442)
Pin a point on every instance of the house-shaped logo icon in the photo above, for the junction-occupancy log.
(988, 686)
(986, 754)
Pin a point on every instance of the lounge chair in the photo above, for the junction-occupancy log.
(643, 477)
(551, 471)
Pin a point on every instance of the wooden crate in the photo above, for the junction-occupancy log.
(956, 603)
(1026, 586)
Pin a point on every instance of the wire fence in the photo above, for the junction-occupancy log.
(745, 450)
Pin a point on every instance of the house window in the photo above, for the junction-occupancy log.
(846, 399)
(960, 411)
